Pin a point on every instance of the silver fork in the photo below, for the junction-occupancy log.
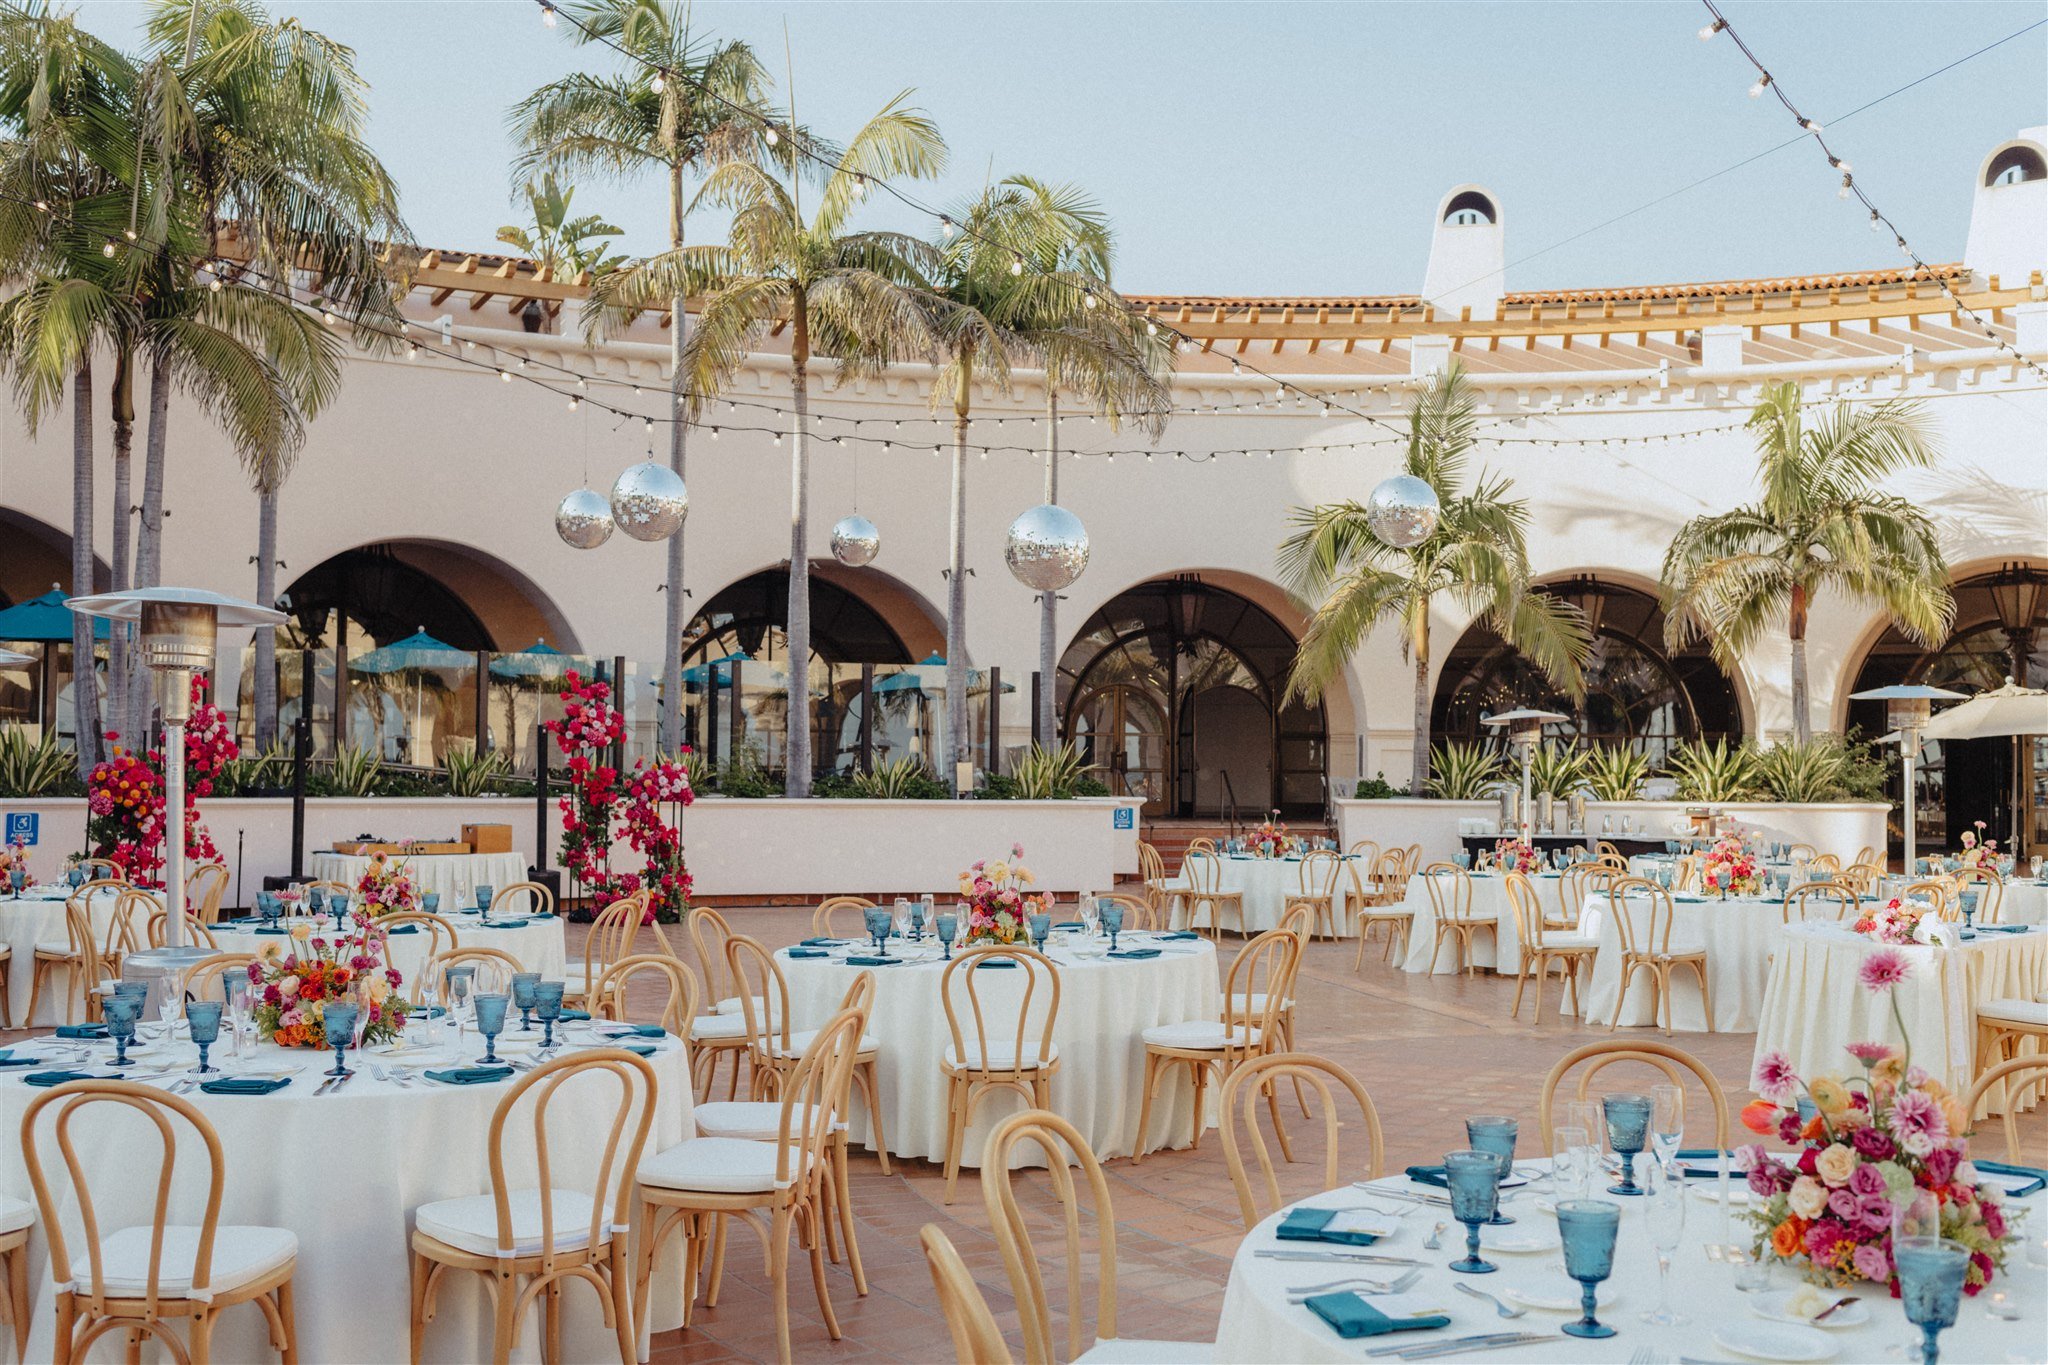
(1498, 1306)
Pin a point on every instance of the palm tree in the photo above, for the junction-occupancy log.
(563, 246)
(854, 297)
(1821, 523)
(692, 101)
(1352, 581)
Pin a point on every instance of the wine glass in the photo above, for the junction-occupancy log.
(483, 899)
(202, 1017)
(1091, 919)
(1931, 1274)
(1113, 921)
(917, 920)
(1587, 1227)
(1667, 1122)
(169, 996)
(947, 926)
(1665, 1213)
(1474, 1181)
(490, 1022)
(1628, 1125)
(2035, 864)
(236, 990)
(460, 979)
(1572, 1160)
(1041, 926)
(1496, 1137)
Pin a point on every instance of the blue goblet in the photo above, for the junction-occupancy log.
(338, 1018)
(1970, 894)
(1474, 1180)
(203, 1018)
(947, 926)
(523, 996)
(1931, 1275)
(1628, 1128)
(1112, 916)
(17, 877)
(121, 1012)
(877, 922)
(483, 899)
(917, 920)
(316, 901)
(1463, 858)
(1041, 926)
(547, 1003)
(1497, 1137)
(431, 902)
(1587, 1227)
(76, 876)
(490, 1022)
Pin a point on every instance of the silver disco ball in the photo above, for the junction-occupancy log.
(1047, 548)
(584, 519)
(1402, 511)
(649, 501)
(855, 541)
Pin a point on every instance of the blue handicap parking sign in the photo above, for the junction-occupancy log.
(1123, 818)
(22, 827)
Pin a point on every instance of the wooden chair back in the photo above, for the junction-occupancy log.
(1450, 891)
(543, 899)
(1264, 967)
(1203, 873)
(1935, 893)
(1242, 1091)
(494, 969)
(169, 1116)
(821, 918)
(1528, 907)
(1798, 851)
(442, 931)
(1864, 877)
(1065, 1151)
(1151, 866)
(1318, 873)
(676, 981)
(204, 889)
(813, 1098)
(1671, 1061)
(1139, 911)
(331, 889)
(976, 1338)
(120, 934)
(631, 1112)
(764, 999)
(1201, 844)
(128, 930)
(108, 870)
(213, 971)
(1574, 885)
(1990, 889)
(1817, 899)
(1299, 919)
(1651, 938)
(2009, 1118)
(709, 933)
(1411, 859)
(1871, 856)
(1004, 1020)
(1365, 849)
(1827, 863)
(1687, 875)
(196, 932)
(612, 935)
(1602, 848)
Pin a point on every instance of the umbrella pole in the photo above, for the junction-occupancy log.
(1909, 753)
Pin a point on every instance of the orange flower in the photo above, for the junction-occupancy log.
(1760, 1116)
(1788, 1237)
(1816, 1129)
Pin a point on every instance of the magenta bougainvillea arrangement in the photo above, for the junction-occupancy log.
(125, 795)
(604, 805)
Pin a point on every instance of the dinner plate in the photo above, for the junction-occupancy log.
(1562, 1297)
(1776, 1306)
(1710, 1190)
(1774, 1340)
(1513, 1242)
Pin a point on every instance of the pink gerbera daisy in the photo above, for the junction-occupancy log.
(1775, 1079)
(1883, 970)
(1870, 1054)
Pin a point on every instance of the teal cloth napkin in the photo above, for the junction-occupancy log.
(575, 1016)
(872, 961)
(801, 951)
(501, 924)
(244, 1085)
(55, 1077)
(278, 932)
(403, 929)
(2001, 929)
(1070, 924)
(542, 916)
(81, 1030)
(1350, 1316)
(996, 963)
(636, 1030)
(1312, 1225)
(1135, 953)
(1180, 936)
(1711, 1171)
(821, 943)
(471, 1075)
(20, 1061)
(1429, 1175)
(2002, 1168)
(637, 1049)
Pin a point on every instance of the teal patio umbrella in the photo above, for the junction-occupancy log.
(416, 654)
(45, 619)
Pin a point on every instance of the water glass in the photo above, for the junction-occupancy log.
(1970, 894)
(547, 1003)
(483, 897)
(876, 921)
(338, 1018)
(316, 901)
(1664, 1211)
(460, 980)
(203, 1018)
(1931, 1273)
(431, 902)
(1474, 1181)
(947, 926)
(121, 1012)
(1573, 1160)
(76, 876)
(1112, 921)
(1041, 926)
(1496, 1137)
(1628, 1129)
(917, 920)
(490, 1022)
(1667, 1121)
(523, 997)
(1588, 1227)
(236, 990)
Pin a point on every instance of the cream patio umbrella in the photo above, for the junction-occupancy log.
(2009, 710)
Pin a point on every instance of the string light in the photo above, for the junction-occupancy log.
(1811, 126)
(1016, 264)
(1762, 82)
(945, 227)
(109, 249)
(1707, 33)
(547, 14)
(772, 136)
(660, 81)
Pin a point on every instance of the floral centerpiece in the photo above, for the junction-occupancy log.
(13, 859)
(996, 905)
(1271, 839)
(1899, 922)
(386, 888)
(294, 986)
(1979, 850)
(1729, 867)
(1510, 854)
(1871, 1142)
(125, 819)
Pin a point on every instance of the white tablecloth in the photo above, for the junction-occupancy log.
(1737, 934)
(1259, 1324)
(538, 944)
(344, 1172)
(1814, 1005)
(2026, 902)
(1501, 949)
(1105, 1005)
(38, 917)
(455, 875)
(1268, 884)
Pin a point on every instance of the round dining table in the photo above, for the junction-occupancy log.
(1261, 1322)
(1501, 949)
(1106, 1004)
(1268, 885)
(37, 916)
(455, 875)
(1737, 933)
(343, 1171)
(537, 941)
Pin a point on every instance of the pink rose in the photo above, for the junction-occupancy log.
(1871, 1263)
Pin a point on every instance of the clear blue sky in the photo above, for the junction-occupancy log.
(1300, 148)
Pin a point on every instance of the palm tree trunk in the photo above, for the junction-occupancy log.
(957, 744)
(1418, 643)
(85, 707)
(669, 733)
(797, 774)
(149, 549)
(265, 731)
(1802, 721)
(1049, 603)
(120, 662)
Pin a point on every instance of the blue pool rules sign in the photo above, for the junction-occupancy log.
(1123, 817)
(22, 827)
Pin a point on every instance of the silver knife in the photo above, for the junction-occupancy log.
(1363, 1257)
(1460, 1345)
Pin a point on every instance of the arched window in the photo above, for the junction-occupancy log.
(1468, 208)
(2014, 165)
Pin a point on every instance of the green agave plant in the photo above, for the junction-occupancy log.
(1713, 772)
(1616, 773)
(30, 767)
(470, 773)
(356, 771)
(1559, 769)
(1046, 774)
(1463, 772)
(1817, 770)
(256, 770)
(906, 779)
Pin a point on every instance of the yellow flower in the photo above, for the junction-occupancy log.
(1836, 1164)
(1024, 877)
(998, 871)
(270, 952)
(302, 932)
(1830, 1096)
(378, 989)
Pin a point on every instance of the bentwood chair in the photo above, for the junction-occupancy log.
(506, 900)
(1936, 894)
(1864, 877)
(214, 971)
(1869, 854)
(1162, 893)
(1140, 913)
(1603, 848)
(1997, 1078)
(714, 1037)
(1296, 920)
(329, 890)
(1383, 902)
(196, 932)
(1366, 850)
(84, 961)
(1826, 864)
(821, 918)
(1545, 945)
(611, 937)
(1317, 876)
(778, 1186)
(1990, 892)
(535, 1231)
(1820, 900)
(1686, 874)
(2003, 1025)
(103, 869)
(1649, 948)
(1239, 1099)
(1671, 1061)
(976, 1338)
(17, 1216)
(1064, 1149)
(141, 1279)
(1213, 1048)
(1009, 1045)
(443, 937)
(1799, 852)
(1201, 843)
(676, 982)
(1450, 895)
(494, 971)
(1574, 888)
(1202, 893)
(204, 888)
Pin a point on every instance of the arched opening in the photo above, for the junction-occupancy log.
(1172, 691)
(2016, 164)
(35, 561)
(2001, 632)
(1637, 693)
(1468, 208)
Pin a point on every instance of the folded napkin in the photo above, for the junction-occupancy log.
(1136, 953)
(2002, 928)
(501, 924)
(637, 1049)
(1313, 1225)
(21, 1061)
(821, 943)
(996, 963)
(81, 1030)
(266, 931)
(1181, 936)
(636, 1030)
(1429, 1175)
(430, 1011)
(801, 951)
(403, 929)
(245, 1085)
(574, 1016)
(471, 1075)
(541, 916)
(2014, 1189)
(1711, 1170)
(56, 1077)
(872, 961)
(1070, 924)
(1351, 1316)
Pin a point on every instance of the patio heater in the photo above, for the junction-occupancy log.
(2018, 594)
(1907, 707)
(1525, 732)
(179, 626)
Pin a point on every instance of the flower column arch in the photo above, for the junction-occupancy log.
(600, 807)
(126, 820)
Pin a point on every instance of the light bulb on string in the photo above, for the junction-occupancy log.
(860, 185)
(771, 136)
(547, 14)
(1811, 126)
(1838, 164)
(505, 375)
(1151, 329)
(1016, 264)
(945, 227)
(1847, 184)
(1707, 33)
(109, 249)
(1873, 220)
(660, 81)
(1761, 83)
(575, 403)
(1090, 301)
(129, 233)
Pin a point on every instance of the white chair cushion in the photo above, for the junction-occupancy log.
(240, 1254)
(15, 1214)
(801, 1041)
(1566, 938)
(2033, 1012)
(1394, 911)
(1137, 1351)
(1003, 1056)
(712, 1027)
(731, 1005)
(714, 1165)
(572, 972)
(1257, 1003)
(62, 947)
(471, 1222)
(751, 1120)
(1201, 1033)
